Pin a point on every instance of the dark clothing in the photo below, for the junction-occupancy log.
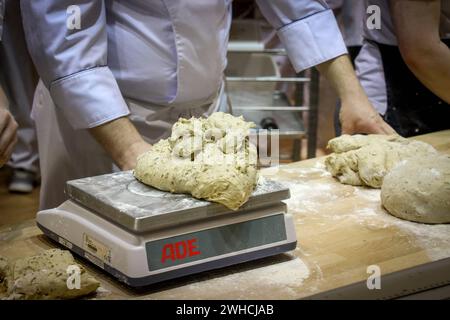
(412, 108)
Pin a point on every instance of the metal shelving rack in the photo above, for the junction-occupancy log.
(258, 105)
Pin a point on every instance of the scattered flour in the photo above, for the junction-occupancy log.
(102, 293)
(435, 238)
(301, 173)
(311, 195)
(432, 237)
(369, 194)
(279, 276)
(435, 172)
(366, 213)
(304, 195)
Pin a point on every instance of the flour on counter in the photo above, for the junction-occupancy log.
(372, 195)
(320, 199)
(303, 195)
(435, 238)
(282, 276)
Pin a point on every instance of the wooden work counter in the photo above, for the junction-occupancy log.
(341, 231)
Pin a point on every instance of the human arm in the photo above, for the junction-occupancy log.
(311, 36)
(122, 141)
(416, 25)
(73, 65)
(357, 114)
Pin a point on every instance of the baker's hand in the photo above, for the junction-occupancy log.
(357, 114)
(8, 135)
(122, 141)
(362, 118)
(135, 150)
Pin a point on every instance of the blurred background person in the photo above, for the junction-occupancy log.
(404, 66)
(8, 131)
(18, 80)
(8, 126)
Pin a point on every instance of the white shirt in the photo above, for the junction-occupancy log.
(351, 20)
(163, 52)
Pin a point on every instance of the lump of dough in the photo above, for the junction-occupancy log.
(418, 189)
(364, 160)
(210, 159)
(44, 276)
(344, 168)
(5, 271)
(347, 142)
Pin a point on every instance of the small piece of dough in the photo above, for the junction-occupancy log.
(364, 160)
(210, 159)
(5, 271)
(44, 276)
(418, 189)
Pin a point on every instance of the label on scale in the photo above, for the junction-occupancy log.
(65, 243)
(96, 248)
(213, 242)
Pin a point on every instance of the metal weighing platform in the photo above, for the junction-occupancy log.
(142, 235)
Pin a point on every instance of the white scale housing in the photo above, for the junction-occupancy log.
(142, 235)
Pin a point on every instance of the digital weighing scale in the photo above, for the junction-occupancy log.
(142, 235)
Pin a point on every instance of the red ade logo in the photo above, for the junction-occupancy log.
(179, 250)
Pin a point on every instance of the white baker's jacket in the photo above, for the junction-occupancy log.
(351, 19)
(165, 52)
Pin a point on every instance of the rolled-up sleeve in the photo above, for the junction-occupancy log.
(72, 61)
(307, 29)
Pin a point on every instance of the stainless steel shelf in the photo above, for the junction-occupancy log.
(256, 106)
(252, 79)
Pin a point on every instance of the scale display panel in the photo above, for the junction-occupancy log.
(218, 241)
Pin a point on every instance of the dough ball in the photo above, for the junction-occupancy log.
(364, 160)
(209, 158)
(44, 276)
(418, 189)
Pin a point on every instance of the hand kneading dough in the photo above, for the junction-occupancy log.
(45, 277)
(209, 158)
(364, 160)
(418, 189)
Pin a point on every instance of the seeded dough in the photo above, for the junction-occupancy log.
(4, 274)
(44, 276)
(210, 159)
(418, 189)
(364, 160)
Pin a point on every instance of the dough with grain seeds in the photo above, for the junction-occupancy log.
(210, 159)
(418, 189)
(44, 276)
(5, 271)
(364, 160)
